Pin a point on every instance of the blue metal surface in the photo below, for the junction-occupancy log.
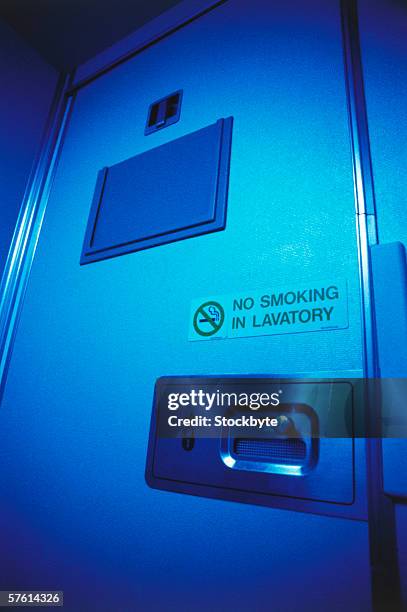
(383, 28)
(382, 531)
(389, 267)
(28, 85)
(175, 191)
(390, 276)
(179, 16)
(329, 475)
(92, 340)
(28, 227)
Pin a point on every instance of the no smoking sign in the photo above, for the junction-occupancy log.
(208, 320)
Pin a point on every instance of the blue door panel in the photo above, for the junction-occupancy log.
(92, 340)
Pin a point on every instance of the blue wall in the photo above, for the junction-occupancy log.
(27, 87)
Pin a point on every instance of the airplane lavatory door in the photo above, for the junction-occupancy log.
(213, 165)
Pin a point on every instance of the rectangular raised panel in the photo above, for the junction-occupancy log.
(174, 191)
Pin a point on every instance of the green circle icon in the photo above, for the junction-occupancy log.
(208, 319)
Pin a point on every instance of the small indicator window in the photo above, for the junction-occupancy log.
(164, 112)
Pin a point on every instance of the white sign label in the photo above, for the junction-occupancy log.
(317, 306)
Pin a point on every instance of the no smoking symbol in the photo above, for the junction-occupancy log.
(208, 319)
